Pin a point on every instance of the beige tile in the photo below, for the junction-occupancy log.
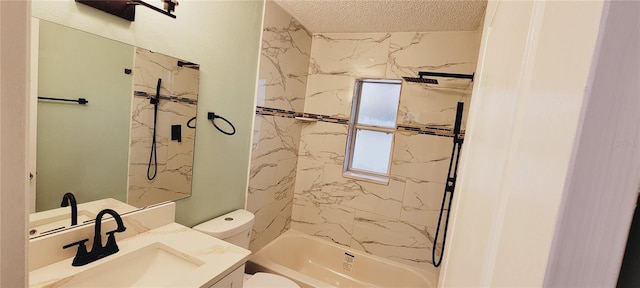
(329, 95)
(286, 46)
(185, 83)
(168, 185)
(391, 238)
(140, 150)
(331, 222)
(278, 138)
(353, 54)
(324, 142)
(271, 221)
(362, 195)
(149, 66)
(141, 117)
(422, 202)
(272, 203)
(423, 105)
(380, 199)
(424, 157)
(309, 175)
(450, 52)
(272, 177)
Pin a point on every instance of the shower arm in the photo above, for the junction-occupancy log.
(145, 4)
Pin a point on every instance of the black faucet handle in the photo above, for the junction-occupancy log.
(82, 257)
(79, 243)
(111, 246)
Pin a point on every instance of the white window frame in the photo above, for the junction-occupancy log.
(354, 126)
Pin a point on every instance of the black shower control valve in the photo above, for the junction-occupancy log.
(176, 133)
(127, 71)
(211, 115)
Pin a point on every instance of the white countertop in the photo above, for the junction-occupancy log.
(218, 258)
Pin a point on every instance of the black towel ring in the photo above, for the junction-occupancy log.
(192, 126)
(212, 116)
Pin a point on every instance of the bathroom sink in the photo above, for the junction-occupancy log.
(155, 265)
(53, 223)
(170, 255)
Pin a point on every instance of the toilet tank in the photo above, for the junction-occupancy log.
(234, 227)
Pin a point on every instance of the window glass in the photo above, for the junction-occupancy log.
(372, 151)
(379, 104)
(373, 123)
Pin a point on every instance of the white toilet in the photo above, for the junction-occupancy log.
(235, 228)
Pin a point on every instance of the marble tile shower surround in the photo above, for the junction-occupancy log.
(273, 175)
(398, 220)
(179, 95)
(284, 61)
(338, 59)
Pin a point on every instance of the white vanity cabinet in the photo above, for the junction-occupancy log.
(233, 280)
(186, 257)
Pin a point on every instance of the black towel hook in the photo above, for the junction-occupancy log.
(190, 123)
(212, 116)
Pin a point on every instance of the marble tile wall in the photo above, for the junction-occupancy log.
(397, 220)
(284, 61)
(179, 95)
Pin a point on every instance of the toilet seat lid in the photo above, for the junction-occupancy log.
(269, 280)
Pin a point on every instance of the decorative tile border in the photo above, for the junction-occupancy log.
(266, 111)
(170, 98)
(429, 131)
(436, 131)
(277, 112)
(325, 118)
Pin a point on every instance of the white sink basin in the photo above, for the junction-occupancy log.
(155, 265)
(170, 255)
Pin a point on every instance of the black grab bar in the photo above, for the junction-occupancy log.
(81, 101)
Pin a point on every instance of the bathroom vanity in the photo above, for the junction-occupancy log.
(154, 252)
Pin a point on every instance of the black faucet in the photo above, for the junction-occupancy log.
(69, 199)
(97, 250)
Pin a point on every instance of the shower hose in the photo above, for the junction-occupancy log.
(449, 188)
(153, 156)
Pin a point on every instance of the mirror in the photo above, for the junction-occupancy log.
(105, 148)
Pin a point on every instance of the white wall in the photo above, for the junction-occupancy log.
(525, 110)
(14, 88)
(601, 191)
(224, 38)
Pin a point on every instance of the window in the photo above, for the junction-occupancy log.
(373, 121)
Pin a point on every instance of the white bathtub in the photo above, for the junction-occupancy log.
(313, 262)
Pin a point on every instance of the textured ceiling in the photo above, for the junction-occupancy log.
(325, 16)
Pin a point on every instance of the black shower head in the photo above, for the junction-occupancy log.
(422, 74)
(420, 80)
